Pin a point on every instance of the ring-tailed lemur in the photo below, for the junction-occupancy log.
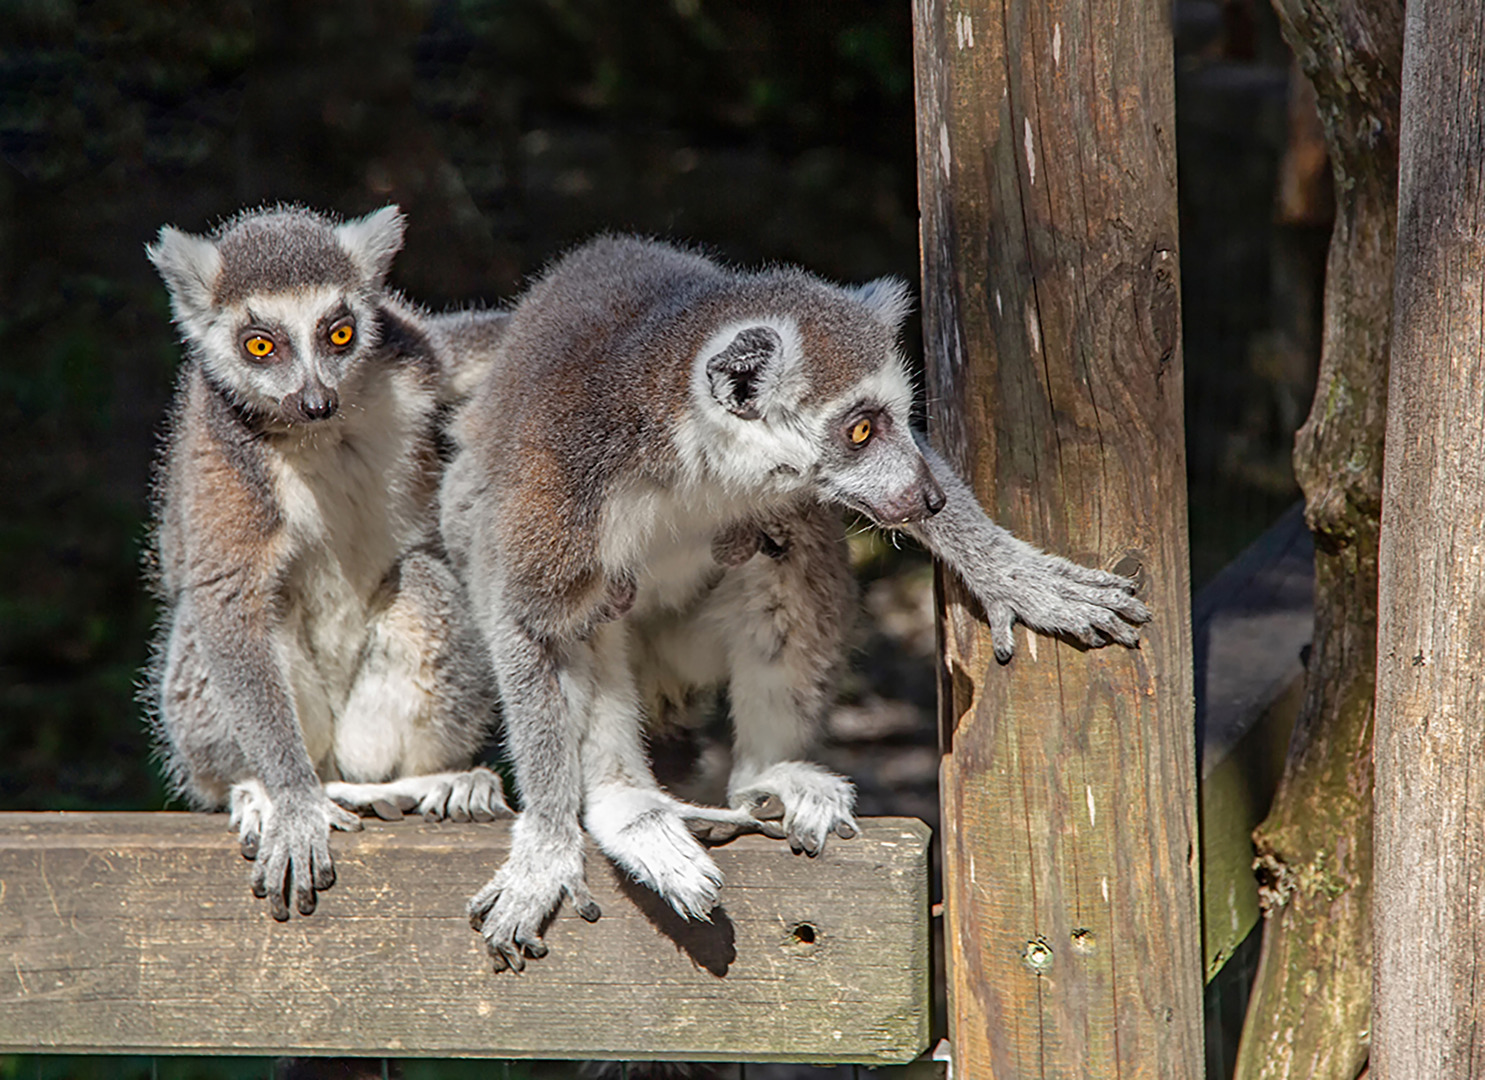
(646, 499)
(312, 629)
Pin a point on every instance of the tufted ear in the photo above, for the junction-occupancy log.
(372, 241)
(190, 265)
(888, 298)
(741, 371)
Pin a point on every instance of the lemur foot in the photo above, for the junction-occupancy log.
(644, 832)
(715, 825)
(511, 910)
(812, 802)
(288, 839)
(474, 795)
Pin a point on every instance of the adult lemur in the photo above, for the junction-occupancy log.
(312, 628)
(647, 500)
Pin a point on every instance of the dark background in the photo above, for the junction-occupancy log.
(766, 130)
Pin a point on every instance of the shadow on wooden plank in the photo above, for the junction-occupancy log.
(136, 933)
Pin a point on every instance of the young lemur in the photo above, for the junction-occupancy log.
(316, 656)
(647, 500)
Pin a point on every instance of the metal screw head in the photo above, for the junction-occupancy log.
(1038, 956)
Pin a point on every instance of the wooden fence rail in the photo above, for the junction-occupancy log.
(136, 933)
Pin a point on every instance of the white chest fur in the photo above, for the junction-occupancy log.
(354, 500)
(663, 537)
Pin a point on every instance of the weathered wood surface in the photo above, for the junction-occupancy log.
(1308, 1016)
(1430, 744)
(1250, 626)
(1047, 190)
(137, 933)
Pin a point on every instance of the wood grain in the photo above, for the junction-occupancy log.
(1046, 171)
(137, 933)
(1308, 1016)
(1429, 916)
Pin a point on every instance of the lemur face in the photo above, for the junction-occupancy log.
(291, 354)
(279, 305)
(870, 461)
(821, 396)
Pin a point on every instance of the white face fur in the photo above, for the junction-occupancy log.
(288, 348)
(752, 428)
(289, 354)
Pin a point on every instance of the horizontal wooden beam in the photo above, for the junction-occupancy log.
(136, 933)
(1250, 626)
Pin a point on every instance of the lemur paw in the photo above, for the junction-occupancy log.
(474, 795)
(643, 831)
(811, 801)
(511, 910)
(288, 839)
(1055, 596)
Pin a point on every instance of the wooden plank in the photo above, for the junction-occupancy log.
(1250, 626)
(1046, 169)
(1429, 872)
(136, 933)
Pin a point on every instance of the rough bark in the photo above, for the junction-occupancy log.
(1430, 752)
(1052, 327)
(1309, 1012)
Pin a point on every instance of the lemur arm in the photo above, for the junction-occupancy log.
(1014, 581)
(229, 618)
(546, 857)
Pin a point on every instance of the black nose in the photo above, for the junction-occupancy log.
(316, 403)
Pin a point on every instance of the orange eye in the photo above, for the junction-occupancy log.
(860, 432)
(258, 346)
(341, 335)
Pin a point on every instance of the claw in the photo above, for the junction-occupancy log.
(386, 810)
(590, 912)
(768, 808)
(846, 831)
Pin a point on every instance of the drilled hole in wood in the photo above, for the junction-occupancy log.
(803, 934)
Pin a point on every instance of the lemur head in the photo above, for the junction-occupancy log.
(279, 304)
(816, 392)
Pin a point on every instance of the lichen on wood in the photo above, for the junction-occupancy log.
(1309, 1015)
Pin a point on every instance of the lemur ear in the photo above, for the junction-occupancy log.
(888, 298)
(190, 265)
(738, 373)
(372, 241)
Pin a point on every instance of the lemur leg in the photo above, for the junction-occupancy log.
(548, 696)
(420, 706)
(645, 831)
(786, 612)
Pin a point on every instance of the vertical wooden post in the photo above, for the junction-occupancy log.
(1310, 1010)
(1429, 917)
(1047, 190)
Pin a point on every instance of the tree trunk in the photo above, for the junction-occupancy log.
(1430, 755)
(1052, 327)
(1309, 1012)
